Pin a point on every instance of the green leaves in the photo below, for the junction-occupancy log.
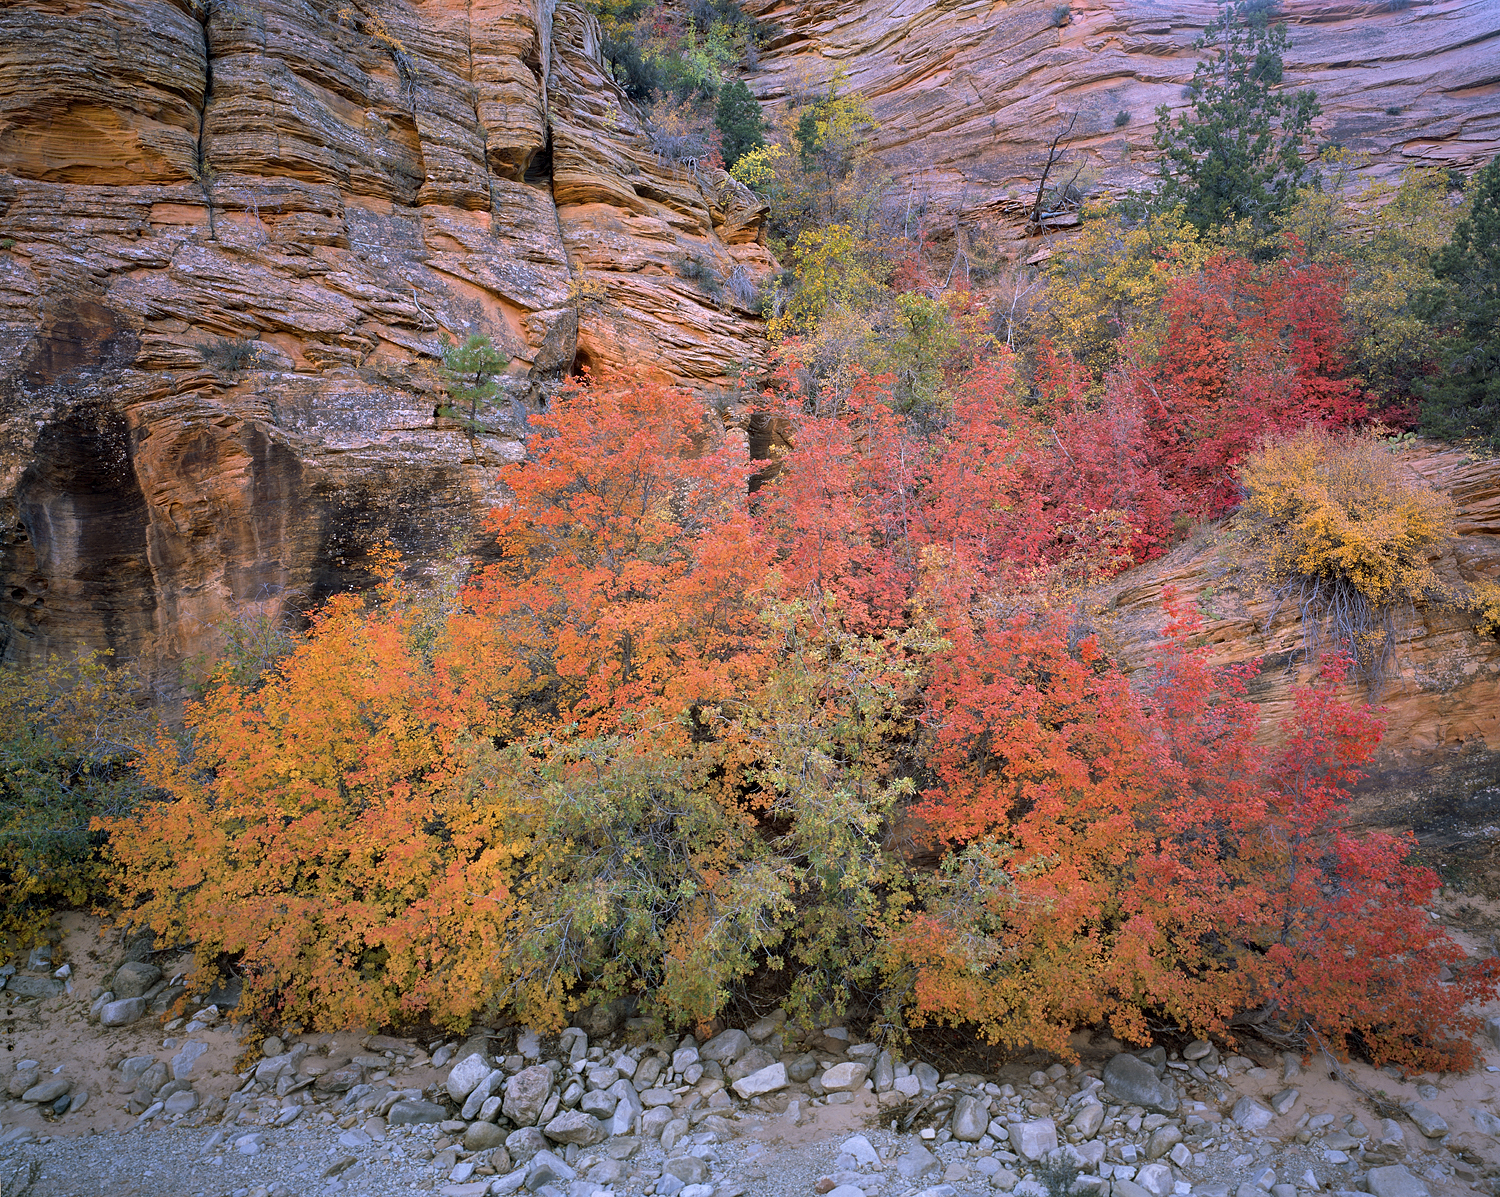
(470, 374)
(1463, 398)
(1237, 155)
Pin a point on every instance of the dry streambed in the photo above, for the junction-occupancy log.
(616, 1106)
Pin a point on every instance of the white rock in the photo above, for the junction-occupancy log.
(908, 1086)
(864, 1153)
(1250, 1115)
(1033, 1140)
(183, 1061)
(1395, 1181)
(466, 1074)
(844, 1077)
(766, 1080)
(1156, 1179)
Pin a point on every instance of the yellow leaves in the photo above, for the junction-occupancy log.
(1343, 508)
(1110, 282)
(1484, 602)
(758, 169)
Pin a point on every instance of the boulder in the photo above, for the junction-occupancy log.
(726, 1047)
(526, 1094)
(1395, 1181)
(1034, 1140)
(574, 1126)
(844, 1077)
(971, 1118)
(1131, 1081)
(135, 979)
(1249, 1115)
(466, 1075)
(122, 1012)
(483, 1136)
(767, 1080)
(47, 1091)
(1427, 1120)
(411, 1113)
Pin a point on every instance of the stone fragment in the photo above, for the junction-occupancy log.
(1427, 1120)
(1088, 1119)
(411, 1113)
(1249, 1115)
(752, 1061)
(685, 1056)
(1034, 1140)
(917, 1164)
(927, 1077)
(971, 1118)
(803, 1068)
(526, 1095)
(1133, 1082)
(46, 1091)
(726, 1047)
(1156, 1179)
(1284, 1101)
(847, 1076)
(134, 979)
(1162, 1140)
(884, 1074)
(627, 1112)
(861, 1150)
(1486, 1123)
(574, 1126)
(687, 1168)
(529, 1045)
(763, 1028)
(481, 1093)
(122, 1012)
(483, 1136)
(1395, 1181)
(183, 1061)
(184, 1101)
(524, 1143)
(466, 1074)
(546, 1169)
(1197, 1049)
(340, 1080)
(767, 1080)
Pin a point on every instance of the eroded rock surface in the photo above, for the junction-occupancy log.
(232, 235)
(969, 93)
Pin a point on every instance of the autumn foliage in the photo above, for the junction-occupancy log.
(680, 731)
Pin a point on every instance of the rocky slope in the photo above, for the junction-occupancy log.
(1437, 768)
(232, 233)
(203, 1104)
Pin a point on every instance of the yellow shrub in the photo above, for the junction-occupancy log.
(1484, 602)
(1340, 507)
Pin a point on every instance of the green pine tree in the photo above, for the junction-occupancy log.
(470, 374)
(739, 122)
(1463, 398)
(1236, 155)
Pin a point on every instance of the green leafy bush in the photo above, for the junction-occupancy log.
(68, 737)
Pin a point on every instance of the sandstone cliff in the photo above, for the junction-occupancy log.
(969, 93)
(234, 233)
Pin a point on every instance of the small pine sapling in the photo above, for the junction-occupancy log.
(470, 374)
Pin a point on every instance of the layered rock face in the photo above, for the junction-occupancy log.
(1437, 765)
(232, 235)
(969, 95)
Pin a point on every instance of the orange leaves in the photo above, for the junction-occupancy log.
(627, 559)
